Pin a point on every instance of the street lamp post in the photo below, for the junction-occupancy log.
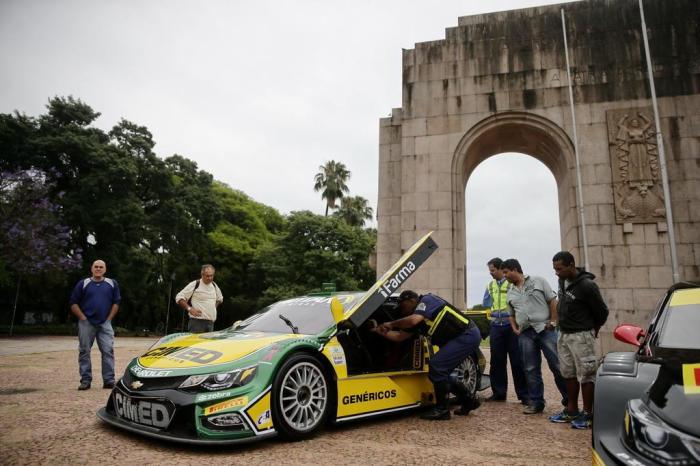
(662, 154)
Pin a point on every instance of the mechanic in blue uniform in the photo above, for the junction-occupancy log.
(503, 342)
(447, 328)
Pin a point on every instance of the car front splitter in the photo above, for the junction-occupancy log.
(116, 422)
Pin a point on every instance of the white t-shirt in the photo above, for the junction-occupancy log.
(205, 298)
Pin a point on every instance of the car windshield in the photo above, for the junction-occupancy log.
(681, 327)
(309, 314)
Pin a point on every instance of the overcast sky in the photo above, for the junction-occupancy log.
(260, 93)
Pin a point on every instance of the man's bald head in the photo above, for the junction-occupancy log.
(98, 269)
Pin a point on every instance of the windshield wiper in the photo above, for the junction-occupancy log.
(289, 323)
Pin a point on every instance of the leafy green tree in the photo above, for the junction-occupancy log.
(354, 210)
(245, 227)
(331, 181)
(155, 221)
(313, 250)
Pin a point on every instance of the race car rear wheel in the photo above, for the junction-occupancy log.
(468, 376)
(300, 395)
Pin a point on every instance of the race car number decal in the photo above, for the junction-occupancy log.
(142, 411)
(691, 379)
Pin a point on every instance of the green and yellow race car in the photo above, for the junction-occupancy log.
(288, 369)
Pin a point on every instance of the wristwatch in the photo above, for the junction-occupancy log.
(553, 323)
(189, 308)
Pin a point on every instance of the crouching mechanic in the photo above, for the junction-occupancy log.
(456, 336)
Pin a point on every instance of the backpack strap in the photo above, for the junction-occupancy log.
(196, 285)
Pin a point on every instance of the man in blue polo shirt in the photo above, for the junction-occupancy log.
(95, 302)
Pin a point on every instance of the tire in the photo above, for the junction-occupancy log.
(300, 397)
(468, 376)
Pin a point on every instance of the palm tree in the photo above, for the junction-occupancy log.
(355, 210)
(331, 181)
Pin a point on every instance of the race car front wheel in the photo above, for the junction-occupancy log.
(300, 396)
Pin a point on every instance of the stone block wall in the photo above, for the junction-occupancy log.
(498, 83)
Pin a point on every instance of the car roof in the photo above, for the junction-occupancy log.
(685, 297)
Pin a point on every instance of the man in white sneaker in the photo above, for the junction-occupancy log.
(200, 299)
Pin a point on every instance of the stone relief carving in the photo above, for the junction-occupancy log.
(635, 166)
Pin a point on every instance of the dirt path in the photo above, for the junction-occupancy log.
(46, 420)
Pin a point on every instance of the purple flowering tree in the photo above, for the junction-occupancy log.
(33, 239)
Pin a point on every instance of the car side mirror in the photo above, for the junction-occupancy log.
(629, 334)
(337, 310)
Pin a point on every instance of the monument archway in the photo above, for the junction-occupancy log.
(499, 82)
(521, 132)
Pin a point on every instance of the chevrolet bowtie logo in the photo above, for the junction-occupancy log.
(136, 384)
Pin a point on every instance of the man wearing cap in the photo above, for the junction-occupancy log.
(447, 328)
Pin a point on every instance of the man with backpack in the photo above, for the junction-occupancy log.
(200, 299)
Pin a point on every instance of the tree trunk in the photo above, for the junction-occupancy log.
(14, 309)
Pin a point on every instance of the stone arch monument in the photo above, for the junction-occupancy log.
(498, 83)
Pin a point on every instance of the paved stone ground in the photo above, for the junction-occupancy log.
(46, 420)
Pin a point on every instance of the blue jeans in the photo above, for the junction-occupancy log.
(200, 326)
(531, 343)
(452, 354)
(504, 344)
(87, 333)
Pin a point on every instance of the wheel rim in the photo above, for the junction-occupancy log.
(303, 396)
(466, 374)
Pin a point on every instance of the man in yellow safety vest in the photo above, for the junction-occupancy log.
(502, 340)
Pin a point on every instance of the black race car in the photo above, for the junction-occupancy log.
(647, 402)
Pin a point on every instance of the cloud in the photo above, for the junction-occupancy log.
(260, 93)
(511, 212)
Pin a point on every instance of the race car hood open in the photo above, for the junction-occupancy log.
(197, 350)
(392, 280)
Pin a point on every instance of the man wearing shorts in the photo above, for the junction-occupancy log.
(581, 313)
